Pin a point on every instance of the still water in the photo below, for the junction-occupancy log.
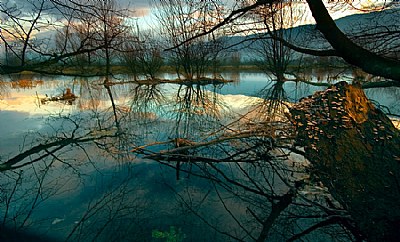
(87, 169)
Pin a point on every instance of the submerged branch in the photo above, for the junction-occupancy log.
(59, 144)
(193, 145)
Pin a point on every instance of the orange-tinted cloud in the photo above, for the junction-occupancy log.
(140, 12)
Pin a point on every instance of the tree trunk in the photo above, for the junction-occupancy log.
(354, 150)
(348, 50)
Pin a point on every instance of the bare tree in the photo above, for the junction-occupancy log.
(371, 62)
(182, 20)
(278, 20)
(19, 30)
(143, 54)
(82, 28)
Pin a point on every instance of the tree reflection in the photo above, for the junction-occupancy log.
(4, 89)
(262, 187)
(275, 98)
(257, 175)
(58, 161)
(52, 163)
(119, 213)
(146, 100)
(233, 177)
(196, 109)
(197, 112)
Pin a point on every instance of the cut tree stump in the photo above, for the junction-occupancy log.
(354, 150)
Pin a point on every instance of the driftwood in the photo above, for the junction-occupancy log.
(68, 97)
(354, 150)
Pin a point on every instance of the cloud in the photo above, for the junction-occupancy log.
(138, 8)
(141, 12)
(135, 3)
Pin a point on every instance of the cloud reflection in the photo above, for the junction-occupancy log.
(137, 8)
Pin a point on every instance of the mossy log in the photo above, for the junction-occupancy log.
(354, 150)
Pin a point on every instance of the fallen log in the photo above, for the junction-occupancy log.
(354, 150)
(68, 97)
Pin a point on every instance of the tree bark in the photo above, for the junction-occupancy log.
(354, 150)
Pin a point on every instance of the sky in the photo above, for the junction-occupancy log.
(144, 14)
(143, 9)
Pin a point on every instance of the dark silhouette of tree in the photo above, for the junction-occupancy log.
(182, 20)
(342, 45)
(375, 62)
(351, 52)
(275, 56)
(82, 27)
(251, 164)
(143, 55)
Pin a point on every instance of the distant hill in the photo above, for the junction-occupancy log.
(305, 35)
(309, 36)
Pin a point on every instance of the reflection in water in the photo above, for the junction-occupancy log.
(91, 171)
(18, 81)
(276, 97)
(197, 114)
(146, 101)
(197, 109)
(4, 89)
(90, 94)
(81, 150)
(24, 80)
